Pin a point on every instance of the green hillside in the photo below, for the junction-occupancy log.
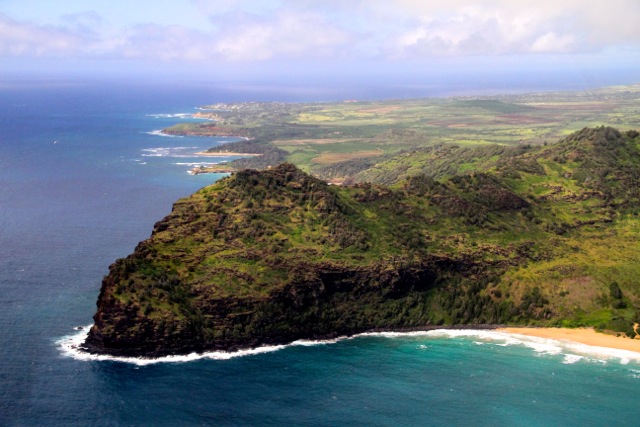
(487, 235)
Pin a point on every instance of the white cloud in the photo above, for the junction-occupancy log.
(460, 27)
(22, 39)
(275, 30)
(242, 39)
(413, 29)
(287, 35)
(553, 43)
(483, 31)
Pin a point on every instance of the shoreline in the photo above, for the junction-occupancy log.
(73, 345)
(586, 336)
(226, 154)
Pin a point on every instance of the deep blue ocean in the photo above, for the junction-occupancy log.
(83, 178)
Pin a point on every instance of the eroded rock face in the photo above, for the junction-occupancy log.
(321, 301)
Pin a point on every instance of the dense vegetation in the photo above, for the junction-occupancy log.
(455, 235)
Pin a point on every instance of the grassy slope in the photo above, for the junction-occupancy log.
(545, 235)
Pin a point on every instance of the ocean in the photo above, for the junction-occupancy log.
(84, 175)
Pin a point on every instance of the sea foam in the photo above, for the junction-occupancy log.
(172, 116)
(196, 164)
(159, 132)
(571, 352)
(71, 346)
(178, 152)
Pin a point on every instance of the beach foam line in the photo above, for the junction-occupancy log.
(196, 164)
(571, 352)
(71, 346)
(178, 152)
(159, 132)
(171, 116)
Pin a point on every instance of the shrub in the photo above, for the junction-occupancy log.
(615, 291)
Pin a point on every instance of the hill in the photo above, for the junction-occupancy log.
(522, 235)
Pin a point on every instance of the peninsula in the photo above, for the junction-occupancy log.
(543, 234)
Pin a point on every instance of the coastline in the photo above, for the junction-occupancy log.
(587, 336)
(226, 154)
(602, 345)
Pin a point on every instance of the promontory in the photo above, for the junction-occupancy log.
(493, 234)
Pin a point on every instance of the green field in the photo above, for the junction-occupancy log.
(338, 140)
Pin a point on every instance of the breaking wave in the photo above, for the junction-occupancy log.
(571, 352)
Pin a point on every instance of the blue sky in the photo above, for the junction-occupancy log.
(395, 39)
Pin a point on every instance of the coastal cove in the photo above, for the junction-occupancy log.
(69, 209)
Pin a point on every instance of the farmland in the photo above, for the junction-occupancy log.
(339, 139)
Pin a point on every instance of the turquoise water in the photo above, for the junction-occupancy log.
(83, 178)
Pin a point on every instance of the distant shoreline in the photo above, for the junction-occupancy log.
(226, 154)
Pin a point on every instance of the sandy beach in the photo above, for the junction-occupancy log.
(580, 335)
(226, 154)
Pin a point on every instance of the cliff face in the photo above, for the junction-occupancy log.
(274, 256)
(325, 302)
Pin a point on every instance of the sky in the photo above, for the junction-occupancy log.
(590, 41)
